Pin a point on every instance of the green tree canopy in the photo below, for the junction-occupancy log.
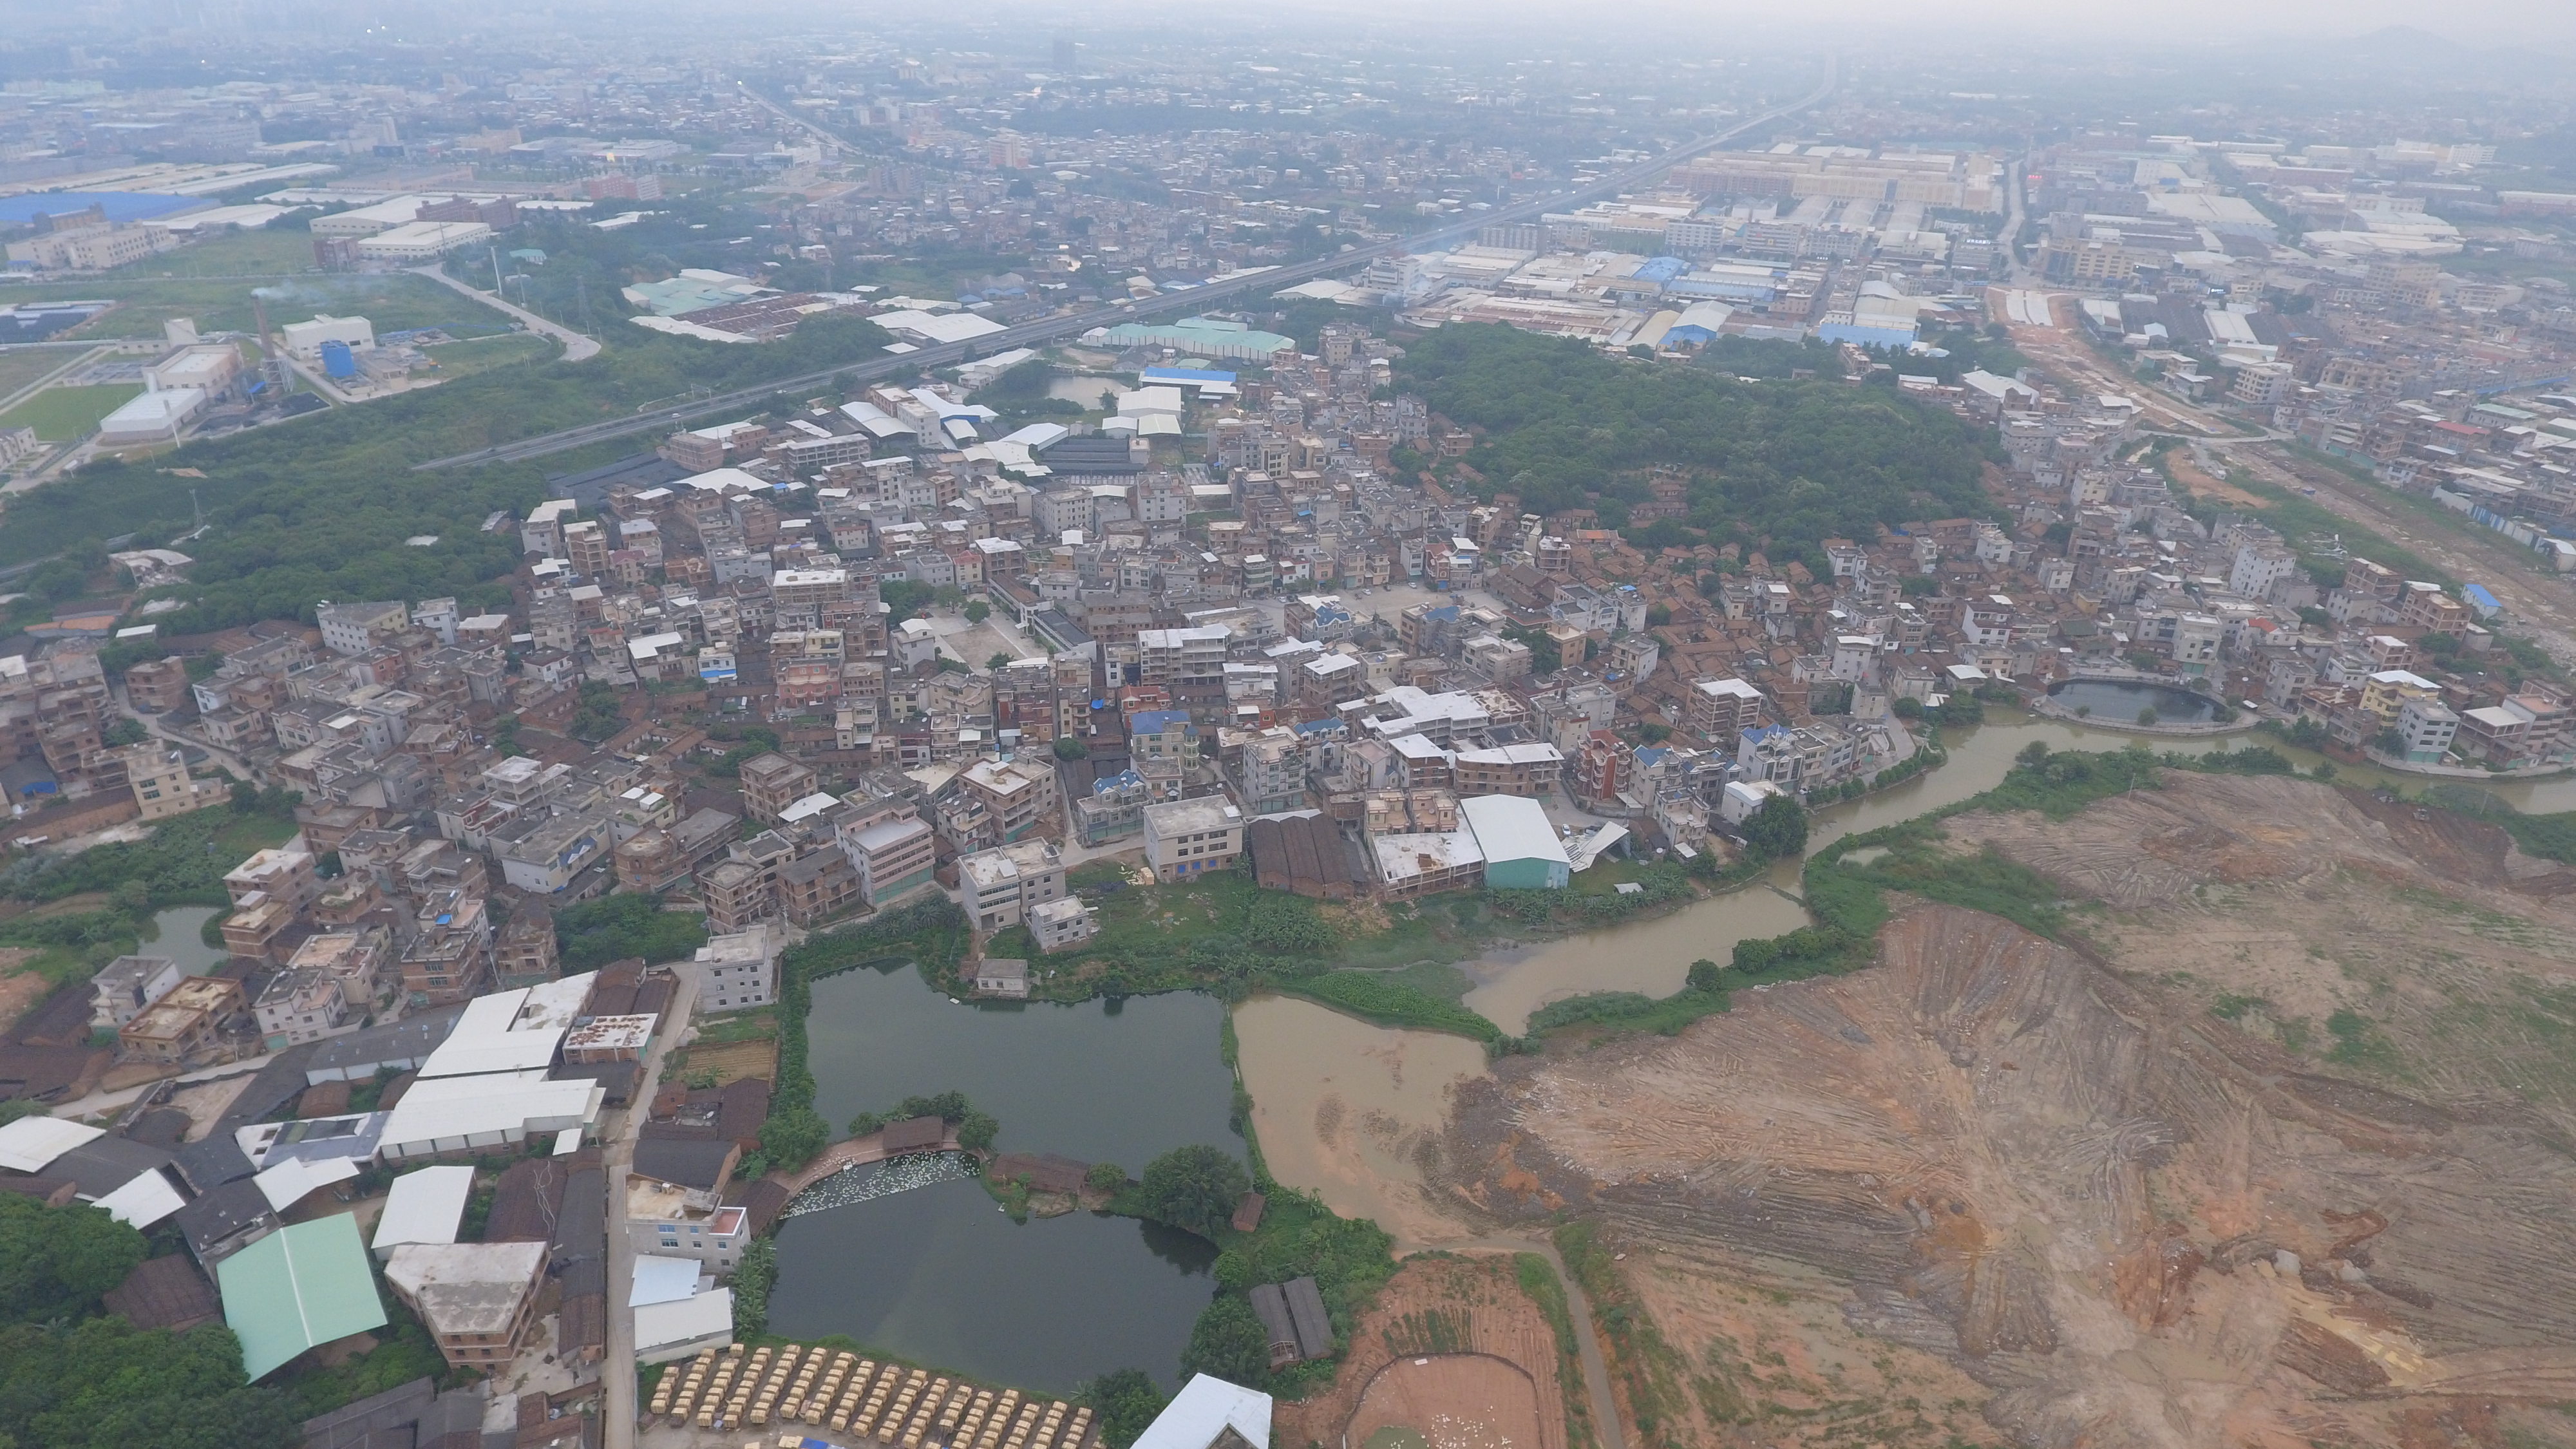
(56, 1261)
(1124, 1402)
(1778, 829)
(1229, 1342)
(1195, 1188)
(104, 1384)
(594, 933)
(1782, 465)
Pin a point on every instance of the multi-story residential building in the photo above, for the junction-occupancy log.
(1268, 772)
(257, 931)
(354, 629)
(1525, 769)
(739, 970)
(738, 894)
(299, 1005)
(1061, 923)
(542, 855)
(126, 985)
(1019, 795)
(525, 952)
(670, 1220)
(449, 958)
(1723, 709)
(478, 1300)
(186, 1020)
(1185, 838)
(771, 783)
(893, 850)
(2425, 729)
(819, 885)
(282, 874)
(1001, 886)
(158, 776)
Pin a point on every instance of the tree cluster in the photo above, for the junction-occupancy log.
(1777, 465)
(72, 1378)
(1195, 1188)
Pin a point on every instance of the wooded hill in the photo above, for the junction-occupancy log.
(1777, 465)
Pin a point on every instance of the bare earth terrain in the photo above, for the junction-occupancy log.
(1452, 1351)
(2285, 1163)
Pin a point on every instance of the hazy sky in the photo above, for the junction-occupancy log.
(2477, 23)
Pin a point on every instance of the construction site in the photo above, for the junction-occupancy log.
(2269, 1148)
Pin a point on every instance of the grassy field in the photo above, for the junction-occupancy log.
(236, 254)
(464, 359)
(393, 301)
(64, 414)
(19, 367)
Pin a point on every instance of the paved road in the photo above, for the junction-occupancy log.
(1192, 299)
(577, 348)
(617, 1365)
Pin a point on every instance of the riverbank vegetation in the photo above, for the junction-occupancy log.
(1845, 887)
(1387, 962)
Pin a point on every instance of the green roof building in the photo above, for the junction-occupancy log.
(300, 1287)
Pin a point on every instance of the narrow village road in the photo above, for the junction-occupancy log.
(617, 1362)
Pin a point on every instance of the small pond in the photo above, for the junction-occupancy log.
(2120, 701)
(180, 938)
(941, 1276)
(1103, 1082)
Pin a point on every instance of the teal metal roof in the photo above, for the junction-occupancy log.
(299, 1287)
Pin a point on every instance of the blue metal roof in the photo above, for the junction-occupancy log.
(118, 205)
(1182, 374)
(1155, 721)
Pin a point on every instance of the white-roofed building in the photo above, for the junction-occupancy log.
(1206, 1411)
(1520, 847)
(426, 1206)
(442, 1115)
(684, 1326)
(485, 1040)
(663, 1280)
(422, 241)
(297, 1178)
(151, 417)
(925, 327)
(30, 1144)
(146, 1198)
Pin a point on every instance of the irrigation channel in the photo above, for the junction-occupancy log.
(913, 1260)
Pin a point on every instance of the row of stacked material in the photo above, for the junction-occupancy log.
(728, 1389)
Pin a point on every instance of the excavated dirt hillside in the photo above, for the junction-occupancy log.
(2133, 1222)
(2409, 949)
